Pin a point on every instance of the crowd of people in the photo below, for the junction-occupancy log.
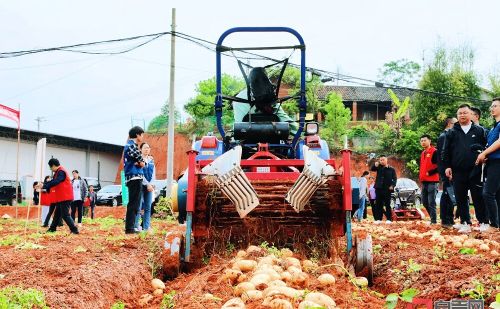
(68, 198)
(465, 159)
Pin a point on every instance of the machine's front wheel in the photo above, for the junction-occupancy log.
(363, 264)
(173, 248)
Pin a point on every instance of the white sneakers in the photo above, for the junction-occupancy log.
(457, 226)
(483, 227)
(464, 229)
(380, 222)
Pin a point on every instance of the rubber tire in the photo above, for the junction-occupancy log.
(114, 202)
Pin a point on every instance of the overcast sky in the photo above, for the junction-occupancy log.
(95, 96)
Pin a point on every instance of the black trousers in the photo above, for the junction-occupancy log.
(134, 203)
(77, 205)
(51, 211)
(92, 208)
(446, 205)
(491, 191)
(462, 183)
(62, 212)
(383, 199)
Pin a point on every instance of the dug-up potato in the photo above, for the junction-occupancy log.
(269, 260)
(285, 252)
(326, 279)
(306, 304)
(294, 269)
(231, 274)
(270, 272)
(158, 292)
(280, 304)
(300, 278)
(309, 265)
(321, 299)
(234, 303)
(260, 280)
(291, 261)
(484, 247)
(245, 265)
(157, 284)
(251, 295)
(243, 287)
(254, 250)
(286, 276)
(282, 290)
(241, 254)
(276, 283)
(361, 282)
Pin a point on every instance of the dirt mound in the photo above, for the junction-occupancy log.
(158, 143)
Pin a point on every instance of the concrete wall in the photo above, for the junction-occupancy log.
(85, 161)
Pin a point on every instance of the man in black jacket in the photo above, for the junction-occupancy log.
(459, 157)
(384, 186)
(447, 201)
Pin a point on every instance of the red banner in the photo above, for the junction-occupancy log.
(10, 113)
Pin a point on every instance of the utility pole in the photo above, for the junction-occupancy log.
(38, 120)
(171, 111)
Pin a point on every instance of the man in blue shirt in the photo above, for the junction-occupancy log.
(491, 155)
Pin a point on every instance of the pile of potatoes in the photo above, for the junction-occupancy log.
(275, 282)
(456, 241)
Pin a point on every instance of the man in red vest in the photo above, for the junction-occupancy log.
(61, 193)
(429, 176)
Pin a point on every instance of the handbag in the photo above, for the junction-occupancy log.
(86, 202)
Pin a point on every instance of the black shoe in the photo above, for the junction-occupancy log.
(45, 225)
(51, 230)
(132, 232)
(75, 232)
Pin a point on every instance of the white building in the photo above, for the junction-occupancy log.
(91, 159)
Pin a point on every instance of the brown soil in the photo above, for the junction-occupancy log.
(22, 211)
(114, 267)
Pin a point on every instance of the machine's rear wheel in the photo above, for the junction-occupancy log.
(363, 263)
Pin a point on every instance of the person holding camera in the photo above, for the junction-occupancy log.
(385, 182)
(460, 152)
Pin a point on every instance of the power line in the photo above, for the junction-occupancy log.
(212, 47)
(71, 48)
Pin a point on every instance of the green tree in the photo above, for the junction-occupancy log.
(402, 72)
(495, 85)
(399, 109)
(159, 123)
(291, 78)
(450, 72)
(201, 107)
(336, 119)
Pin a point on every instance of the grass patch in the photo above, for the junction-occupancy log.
(80, 249)
(118, 305)
(10, 240)
(16, 297)
(29, 246)
(107, 223)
